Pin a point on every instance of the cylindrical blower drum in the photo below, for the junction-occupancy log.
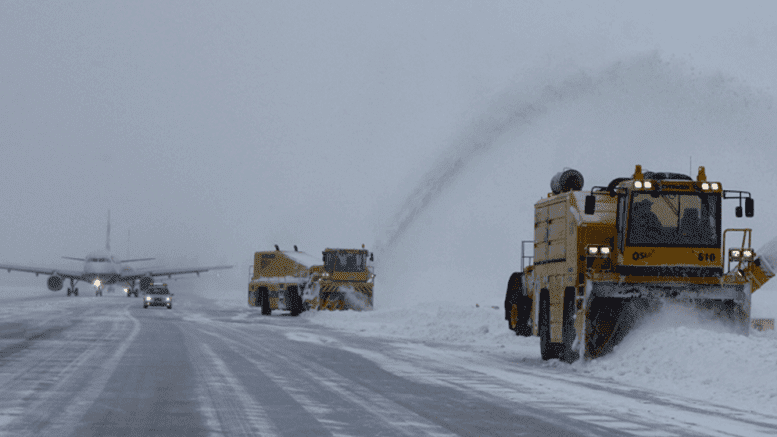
(567, 180)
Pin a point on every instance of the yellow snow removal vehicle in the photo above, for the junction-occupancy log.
(345, 281)
(296, 281)
(605, 257)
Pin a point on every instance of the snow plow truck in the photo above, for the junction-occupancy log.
(604, 258)
(296, 281)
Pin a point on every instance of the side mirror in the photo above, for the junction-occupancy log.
(590, 204)
(749, 207)
(738, 211)
(371, 257)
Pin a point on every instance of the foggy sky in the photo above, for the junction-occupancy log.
(214, 130)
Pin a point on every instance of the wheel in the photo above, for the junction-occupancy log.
(170, 306)
(518, 306)
(145, 306)
(510, 296)
(609, 320)
(129, 294)
(136, 292)
(264, 297)
(295, 301)
(548, 350)
(569, 354)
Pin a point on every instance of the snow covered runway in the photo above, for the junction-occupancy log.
(106, 366)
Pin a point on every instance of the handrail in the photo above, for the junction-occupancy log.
(524, 257)
(747, 234)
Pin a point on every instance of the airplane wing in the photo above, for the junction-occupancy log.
(65, 273)
(137, 274)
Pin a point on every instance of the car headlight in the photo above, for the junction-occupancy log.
(148, 297)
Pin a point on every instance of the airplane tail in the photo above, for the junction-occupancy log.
(108, 235)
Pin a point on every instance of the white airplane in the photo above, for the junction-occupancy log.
(101, 268)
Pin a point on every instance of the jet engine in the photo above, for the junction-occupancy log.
(146, 282)
(55, 283)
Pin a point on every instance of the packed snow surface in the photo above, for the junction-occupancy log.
(673, 352)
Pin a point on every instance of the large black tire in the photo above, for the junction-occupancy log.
(570, 355)
(517, 300)
(264, 299)
(295, 301)
(548, 350)
(609, 320)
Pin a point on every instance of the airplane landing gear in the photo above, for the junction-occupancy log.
(72, 290)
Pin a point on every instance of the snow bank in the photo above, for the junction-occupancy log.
(482, 327)
(696, 362)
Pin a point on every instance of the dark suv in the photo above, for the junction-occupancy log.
(158, 295)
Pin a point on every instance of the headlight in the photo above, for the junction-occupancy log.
(605, 250)
(168, 299)
(741, 254)
(148, 297)
(637, 184)
(715, 186)
(593, 250)
(648, 185)
(705, 186)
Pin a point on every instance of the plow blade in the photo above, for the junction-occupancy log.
(337, 297)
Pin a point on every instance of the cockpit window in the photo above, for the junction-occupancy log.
(350, 262)
(674, 219)
(342, 261)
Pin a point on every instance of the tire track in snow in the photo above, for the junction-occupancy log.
(51, 396)
(316, 390)
(228, 409)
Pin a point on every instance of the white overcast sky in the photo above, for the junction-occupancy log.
(214, 129)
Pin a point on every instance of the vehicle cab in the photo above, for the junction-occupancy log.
(158, 295)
